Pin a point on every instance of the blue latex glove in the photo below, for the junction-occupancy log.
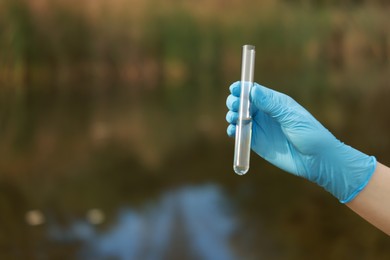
(288, 136)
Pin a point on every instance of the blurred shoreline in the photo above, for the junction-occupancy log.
(146, 42)
(109, 105)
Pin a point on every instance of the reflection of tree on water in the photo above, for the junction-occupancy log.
(114, 109)
(187, 223)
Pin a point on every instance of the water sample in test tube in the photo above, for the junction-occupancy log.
(244, 124)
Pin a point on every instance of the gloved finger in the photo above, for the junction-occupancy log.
(279, 106)
(233, 103)
(235, 88)
(231, 117)
(231, 130)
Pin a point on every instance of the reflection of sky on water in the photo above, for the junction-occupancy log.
(187, 223)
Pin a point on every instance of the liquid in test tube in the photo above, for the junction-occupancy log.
(244, 124)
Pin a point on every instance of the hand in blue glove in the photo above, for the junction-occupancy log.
(288, 136)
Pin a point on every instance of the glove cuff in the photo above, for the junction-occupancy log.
(345, 172)
(371, 166)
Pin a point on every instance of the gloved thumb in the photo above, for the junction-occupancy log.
(277, 105)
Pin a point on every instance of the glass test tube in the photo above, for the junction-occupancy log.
(244, 124)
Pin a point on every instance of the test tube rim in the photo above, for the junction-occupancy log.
(249, 47)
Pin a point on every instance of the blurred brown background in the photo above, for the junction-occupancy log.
(113, 136)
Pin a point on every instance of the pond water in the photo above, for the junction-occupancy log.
(113, 137)
(148, 175)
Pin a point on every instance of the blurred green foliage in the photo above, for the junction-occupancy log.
(112, 102)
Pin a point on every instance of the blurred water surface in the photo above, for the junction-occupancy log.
(113, 136)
